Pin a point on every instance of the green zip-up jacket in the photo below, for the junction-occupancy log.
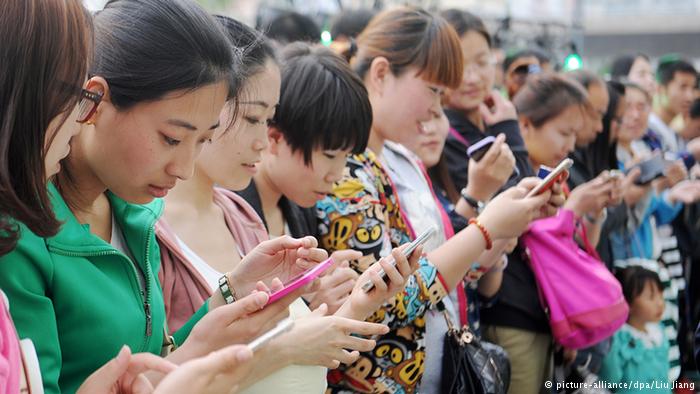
(80, 300)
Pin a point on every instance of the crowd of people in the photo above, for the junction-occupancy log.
(164, 171)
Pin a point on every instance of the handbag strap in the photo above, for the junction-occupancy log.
(463, 305)
(441, 307)
(462, 300)
(584, 237)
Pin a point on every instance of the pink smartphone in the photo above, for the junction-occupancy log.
(301, 280)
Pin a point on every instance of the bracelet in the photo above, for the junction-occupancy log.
(477, 205)
(475, 272)
(598, 220)
(227, 291)
(484, 232)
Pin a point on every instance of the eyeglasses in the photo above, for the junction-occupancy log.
(88, 104)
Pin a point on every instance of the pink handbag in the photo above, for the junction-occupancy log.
(582, 298)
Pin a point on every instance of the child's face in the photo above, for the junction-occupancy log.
(649, 305)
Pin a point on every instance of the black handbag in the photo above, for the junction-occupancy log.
(470, 365)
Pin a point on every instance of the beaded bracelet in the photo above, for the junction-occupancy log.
(484, 232)
(226, 290)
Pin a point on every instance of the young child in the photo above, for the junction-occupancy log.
(639, 353)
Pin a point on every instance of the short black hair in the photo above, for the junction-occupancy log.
(668, 70)
(600, 154)
(291, 26)
(633, 280)
(512, 57)
(350, 23)
(695, 109)
(323, 103)
(622, 65)
(584, 77)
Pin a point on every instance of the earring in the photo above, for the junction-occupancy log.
(90, 122)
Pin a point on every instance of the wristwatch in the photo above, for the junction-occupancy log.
(474, 203)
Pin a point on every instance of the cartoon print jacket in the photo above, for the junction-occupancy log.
(363, 214)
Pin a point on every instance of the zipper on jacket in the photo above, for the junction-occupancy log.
(149, 323)
(145, 298)
(148, 275)
(143, 290)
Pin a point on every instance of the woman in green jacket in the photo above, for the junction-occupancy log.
(161, 74)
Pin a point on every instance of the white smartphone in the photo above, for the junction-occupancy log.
(551, 178)
(281, 327)
(420, 240)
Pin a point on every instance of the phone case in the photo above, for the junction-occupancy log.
(556, 175)
(478, 150)
(301, 280)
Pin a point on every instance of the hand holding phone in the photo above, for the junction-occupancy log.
(301, 280)
(651, 169)
(421, 239)
(615, 175)
(553, 177)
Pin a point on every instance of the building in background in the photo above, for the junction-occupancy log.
(596, 29)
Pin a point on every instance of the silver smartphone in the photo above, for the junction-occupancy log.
(421, 239)
(281, 327)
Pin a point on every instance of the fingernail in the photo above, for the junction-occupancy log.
(123, 352)
(261, 299)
